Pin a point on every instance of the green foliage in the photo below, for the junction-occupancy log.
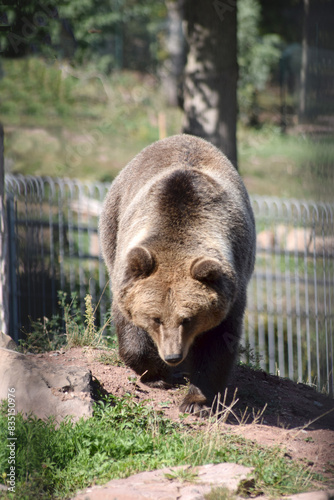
(257, 56)
(220, 494)
(85, 118)
(30, 26)
(120, 33)
(124, 437)
(117, 34)
(110, 356)
(286, 165)
(65, 329)
(44, 335)
(252, 358)
(185, 474)
(43, 92)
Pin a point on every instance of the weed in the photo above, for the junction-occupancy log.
(83, 334)
(219, 494)
(183, 474)
(253, 358)
(66, 329)
(44, 335)
(110, 357)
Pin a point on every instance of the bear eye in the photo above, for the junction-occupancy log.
(157, 321)
(185, 321)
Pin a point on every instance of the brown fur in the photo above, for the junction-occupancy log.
(178, 236)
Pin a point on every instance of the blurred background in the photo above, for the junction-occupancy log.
(86, 84)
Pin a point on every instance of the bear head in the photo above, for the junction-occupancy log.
(175, 303)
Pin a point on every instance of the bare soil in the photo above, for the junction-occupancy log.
(270, 410)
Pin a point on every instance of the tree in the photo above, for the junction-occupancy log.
(27, 26)
(210, 79)
(258, 55)
(304, 64)
(173, 66)
(110, 33)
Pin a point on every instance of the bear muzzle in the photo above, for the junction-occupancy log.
(173, 359)
(171, 345)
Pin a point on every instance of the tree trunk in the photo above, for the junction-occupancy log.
(175, 45)
(304, 63)
(210, 86)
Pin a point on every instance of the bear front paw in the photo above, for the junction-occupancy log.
(157, 384)
(195, 403)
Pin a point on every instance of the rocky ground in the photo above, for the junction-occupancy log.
(266, 409)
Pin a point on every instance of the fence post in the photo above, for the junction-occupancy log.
(13, 307)
(4, 283)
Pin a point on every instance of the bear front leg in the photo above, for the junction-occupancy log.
(211, 360)
(139, 352)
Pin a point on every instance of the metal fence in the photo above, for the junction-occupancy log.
(289, 325)
(290, 317)
(53, 245)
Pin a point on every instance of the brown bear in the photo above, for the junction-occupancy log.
(178, 237)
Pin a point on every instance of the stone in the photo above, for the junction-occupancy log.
(43, 389)
(313, 495)
(156, 485)
(7, 342)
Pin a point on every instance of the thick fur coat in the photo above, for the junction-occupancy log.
(178, 237)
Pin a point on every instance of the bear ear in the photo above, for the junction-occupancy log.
(140, 263)
(208, 271)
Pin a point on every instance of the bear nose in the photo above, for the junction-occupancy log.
(173, 358)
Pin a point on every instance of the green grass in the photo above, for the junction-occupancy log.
(124, 437)
(76, 124)
(81, 124)
(69, 329)
(296, 166)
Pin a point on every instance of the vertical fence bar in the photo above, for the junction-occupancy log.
(279, 297)
(103, 283)
(297, 220)
(13, 309)
(316, 301)
(270, 310)
(52, 270)
(288, 304)
(71, 236)
(82, 288)
(260, 320)
(306, 217)
(330, 274)
(4, 281)
(323, 214)
(61, 200)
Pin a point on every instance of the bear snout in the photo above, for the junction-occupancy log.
(173, 359)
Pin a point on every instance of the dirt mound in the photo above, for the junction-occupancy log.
(266, 409)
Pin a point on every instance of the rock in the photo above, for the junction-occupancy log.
(313, 495)
(265, 240)
(155, 485)
(298, 240)
(7, 342)
(45, 390)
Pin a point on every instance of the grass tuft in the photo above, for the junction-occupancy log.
(54, 460)
(67, 329)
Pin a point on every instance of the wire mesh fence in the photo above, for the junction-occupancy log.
(289, 324)
(52, 226)
(289, 321)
